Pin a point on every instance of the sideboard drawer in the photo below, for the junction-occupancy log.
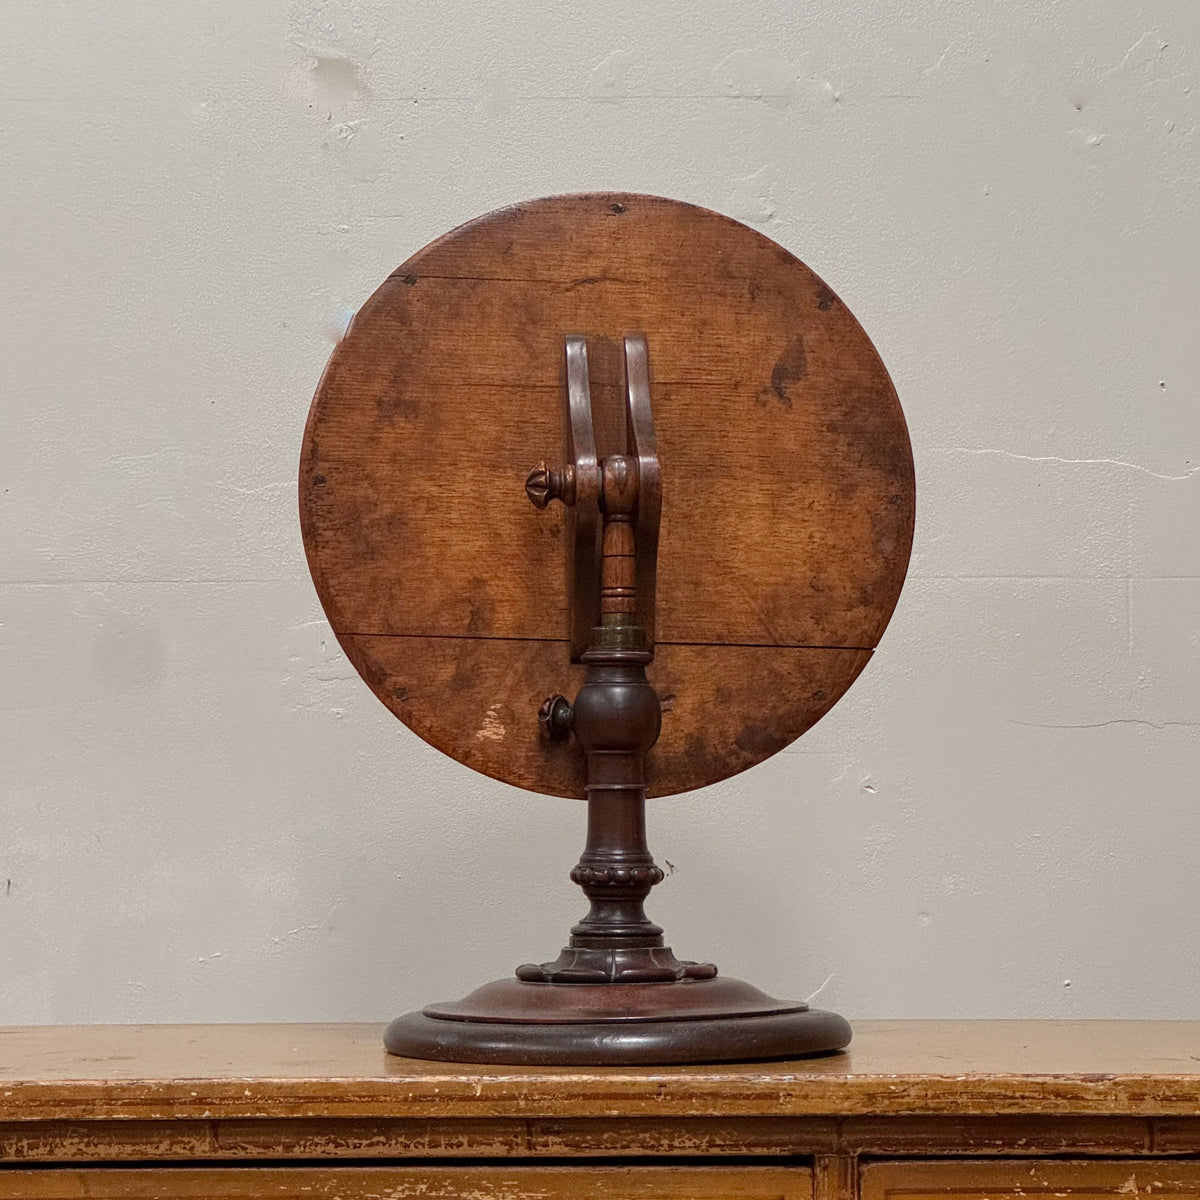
(1023, 1179)
(500, 1182)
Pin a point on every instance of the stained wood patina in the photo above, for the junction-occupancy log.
(935, 1109)
(946, 1069)
(787, 482)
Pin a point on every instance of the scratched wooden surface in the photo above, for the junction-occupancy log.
(411, 1183)
(929, 1068)
(1079, 1180)
(114, 1139)
(929, 1110)
(787, 482)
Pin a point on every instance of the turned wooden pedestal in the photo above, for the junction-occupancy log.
(914, 1109)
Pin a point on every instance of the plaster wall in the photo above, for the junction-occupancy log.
(204, 814)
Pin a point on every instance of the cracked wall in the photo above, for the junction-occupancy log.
(206, 815)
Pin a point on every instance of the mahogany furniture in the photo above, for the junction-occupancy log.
(787, 482)
(736, 489)
(921, 1110)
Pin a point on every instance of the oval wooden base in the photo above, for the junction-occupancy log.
(696, 1021)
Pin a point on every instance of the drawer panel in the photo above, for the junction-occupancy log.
(1023, 1179)
(409, 1183)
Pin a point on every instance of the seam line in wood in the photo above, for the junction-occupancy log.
(493, 385)
(494, 637)
(585, 281)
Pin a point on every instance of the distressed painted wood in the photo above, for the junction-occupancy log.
(1018, 1178)
(787, 481)
(835, 1176)
(411, 1183)
(925, 1110)
(588, 1137)
(951, 1069)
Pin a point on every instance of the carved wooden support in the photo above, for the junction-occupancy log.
(616, 993)
(767, 390)
(616, 719)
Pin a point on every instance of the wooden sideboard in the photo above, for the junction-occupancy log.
(916, 1110)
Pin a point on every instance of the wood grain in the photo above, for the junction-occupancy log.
(920, 1110)
(1017, 1178)
(787, 476)
(906, 1068)
(410, 1183)
(388, 1137)
(472, 699)
(835, 1177)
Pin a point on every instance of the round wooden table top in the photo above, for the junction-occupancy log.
(787, 483)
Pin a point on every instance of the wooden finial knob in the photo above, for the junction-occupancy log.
(555, 717)
(544, 484)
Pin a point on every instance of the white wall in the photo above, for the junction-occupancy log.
(206, 815)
